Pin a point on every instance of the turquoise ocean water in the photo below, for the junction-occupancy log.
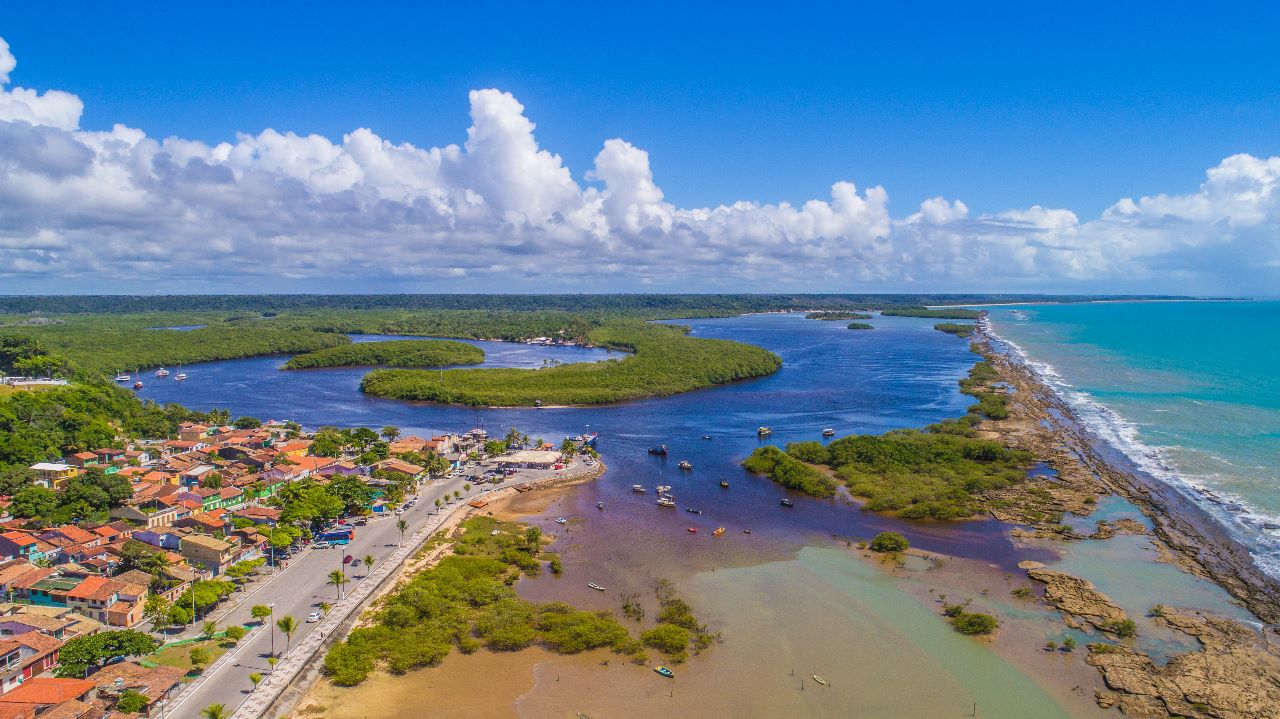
(1190, 391)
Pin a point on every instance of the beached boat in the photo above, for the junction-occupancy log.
(659, 450)
(787, 503)
(637, 489)
(719, 531)
(764, 431)
(595, 586)
(828, 432)
(665, 672)
(724, 484)
(820, 680)
(666, 502)
(162, 372)
(122, 377)
(691, 510)
(561, 520)
(685, 465)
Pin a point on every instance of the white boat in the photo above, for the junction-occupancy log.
(764, 431)
(828, 432)
(561, 520)
(637, 489)
(595, 586)
(664, 488)
(122, 377)
(666, 502)
(162, 372)
(685, 464)
(180, 376)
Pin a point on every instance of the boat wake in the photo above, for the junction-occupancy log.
(1257, 531)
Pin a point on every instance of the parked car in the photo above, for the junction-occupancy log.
(321, 545)
(362, 521)
(313, 617)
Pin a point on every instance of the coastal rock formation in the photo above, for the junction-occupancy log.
(1076, 598)
(1107, 530)
(1235, 675)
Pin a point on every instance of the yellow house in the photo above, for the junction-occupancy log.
(53, 475)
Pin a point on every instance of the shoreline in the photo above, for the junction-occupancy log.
(1195, 540)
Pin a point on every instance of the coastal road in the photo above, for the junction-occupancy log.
(299, 589)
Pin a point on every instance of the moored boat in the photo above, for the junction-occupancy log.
(122, 377)
(719, 531)
(787, 503)
(137, 385)
(820, 680)
(666, 502)
(724, 484)
(693, 530)
(660, 450)
(764, 431)
(637, 489)
(664, 488)
(685, 465)
(828, 432)
(162, 372)
(691, 510)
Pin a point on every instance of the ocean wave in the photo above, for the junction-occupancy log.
(1256, 530)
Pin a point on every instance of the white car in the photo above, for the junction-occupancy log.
(313, 617)
(399, 511)
(321, 545)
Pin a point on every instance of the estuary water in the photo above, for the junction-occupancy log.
(1188, 390)
(788, 597)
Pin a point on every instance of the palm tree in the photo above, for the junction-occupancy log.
(255, 678)
(210, 629)
(288, 625)
(214, 711)
(337, 579)
(368, 563)
(325, 607)
(457, 495)
(271, 663)
(437, 505)
(403, 525)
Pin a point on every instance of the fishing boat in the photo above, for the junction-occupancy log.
(787, 503)
(666, 502)
(724, 484)
(691, 510)
(137, 385)
(693, 530)
(561, 520)
(764, 431)
(663, 671)
(664, 488)
(637, 489)
(162, 372)
(595, 586)
(828, 432)
(685, 464)
(719, 531)
(660, 450)
(820, 680)
(122, 377)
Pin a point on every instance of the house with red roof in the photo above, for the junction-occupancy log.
(25, 656)
(45, 692)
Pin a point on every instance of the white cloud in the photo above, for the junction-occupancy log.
(118, 210)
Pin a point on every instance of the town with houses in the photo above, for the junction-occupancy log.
(203, 513)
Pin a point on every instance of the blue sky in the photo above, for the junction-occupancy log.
(998, 106)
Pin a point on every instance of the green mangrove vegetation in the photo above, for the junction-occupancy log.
(953, 328)
(950, 313)
(468, 602)
(396, 353)
(664, 361)
(860, 326)
(837, 315)
(939, 472)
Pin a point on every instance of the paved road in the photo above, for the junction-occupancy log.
(297, 591)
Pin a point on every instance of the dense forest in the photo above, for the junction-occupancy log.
(398, 353)
(837, 315)
(955, 313)
(665, 362)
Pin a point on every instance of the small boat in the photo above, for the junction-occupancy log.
(495, 532)
(162, 372)
(180, 376)
(787, 503)
(664, 488)
(122, 377)
(637, 489)
(724, 484)
(691, 510)
(828, 432)
(561, 520)
(666, 502)
(685, 465)
(719, 531)
(660, 450)
(746, 531)
(820, 680)
(706, 436)
(137, 385)
(663, 671)
(595, 586)
(599, 505)
(764, 431)
(693, 530)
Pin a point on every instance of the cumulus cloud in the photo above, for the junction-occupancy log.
(119, 210)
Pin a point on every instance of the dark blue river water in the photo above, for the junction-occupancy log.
(901, 374)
